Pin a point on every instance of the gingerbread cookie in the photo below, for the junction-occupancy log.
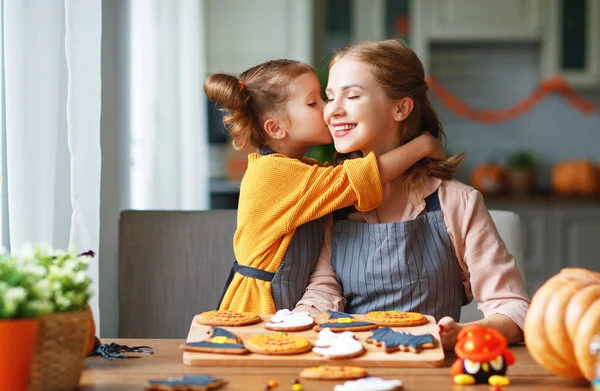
(186, 383)
(392, 340)
(370, 384)
(278, 344)
(227, 318)
(333, 372)
(217, 340)
(286, 320)
(339, 322)
(396, 318)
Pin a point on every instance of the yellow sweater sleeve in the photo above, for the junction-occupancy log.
(279, 194)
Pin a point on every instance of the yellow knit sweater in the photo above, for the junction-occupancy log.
(279, 194)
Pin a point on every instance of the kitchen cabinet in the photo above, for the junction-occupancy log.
(571, 42)
(241, 34)
(482, 19)
(473, 21)
(556, 234)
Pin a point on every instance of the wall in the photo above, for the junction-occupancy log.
(497, 76)
(114, 195)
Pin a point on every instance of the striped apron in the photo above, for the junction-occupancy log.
(404, 266)
(291, 279)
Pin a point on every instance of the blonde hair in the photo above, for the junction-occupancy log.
(245, 101)
(398, 70)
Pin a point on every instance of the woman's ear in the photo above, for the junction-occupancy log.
(274, 130)
(403, 108)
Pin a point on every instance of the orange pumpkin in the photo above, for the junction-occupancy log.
(576, 177)
(91, 340)
(489, 178)
(563, 318)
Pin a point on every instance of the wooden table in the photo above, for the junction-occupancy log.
(131, 375)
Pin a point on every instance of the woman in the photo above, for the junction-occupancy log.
(431, 246)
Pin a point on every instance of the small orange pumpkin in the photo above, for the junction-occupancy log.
(576, 177)
(563, 318)
(489, 178)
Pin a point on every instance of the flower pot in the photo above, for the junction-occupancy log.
(17, 344)
(521, 181)
(60, 351)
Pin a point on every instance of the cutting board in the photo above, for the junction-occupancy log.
(374, 356)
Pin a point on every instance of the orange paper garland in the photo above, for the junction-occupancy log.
(524, 105)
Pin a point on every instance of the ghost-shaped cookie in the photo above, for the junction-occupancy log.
(286, 320)
(370, 384)
(338, 345)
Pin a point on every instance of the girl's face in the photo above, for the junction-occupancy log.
(305, 124)
(358, 113)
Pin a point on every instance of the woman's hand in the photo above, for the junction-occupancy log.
(449, 329)
(435, 147)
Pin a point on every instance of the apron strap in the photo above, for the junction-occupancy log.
(246, 271)
(264, 151)
(432, 202)
(342, 214)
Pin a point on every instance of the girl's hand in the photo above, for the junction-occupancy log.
(434, 147)
(449, 329)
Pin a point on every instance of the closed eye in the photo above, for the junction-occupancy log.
(354, 97)
(312, 104)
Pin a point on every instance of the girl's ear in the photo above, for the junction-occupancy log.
(403, 108)
(274, 130)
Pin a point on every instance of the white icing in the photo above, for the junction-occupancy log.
(289, 319)
(332, 344)
(369, 384)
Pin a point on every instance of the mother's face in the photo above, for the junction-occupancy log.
(359, 115)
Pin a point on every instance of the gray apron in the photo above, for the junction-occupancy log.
(404, 266)
(291, 279)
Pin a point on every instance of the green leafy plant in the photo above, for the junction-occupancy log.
(521, 159)
(38, 280)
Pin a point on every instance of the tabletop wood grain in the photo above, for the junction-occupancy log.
(131, 375)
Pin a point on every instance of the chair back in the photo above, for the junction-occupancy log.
(172, 266)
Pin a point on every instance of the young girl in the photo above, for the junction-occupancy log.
(431, 245)
(276, 108)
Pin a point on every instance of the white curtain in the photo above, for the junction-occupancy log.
(51, 74)
(168, 108)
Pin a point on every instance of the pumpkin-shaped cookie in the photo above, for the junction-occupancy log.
(278, 344)
(396, 318)
(333, 372)
(563, 318)
(227, 318)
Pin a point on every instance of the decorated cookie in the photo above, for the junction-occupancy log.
(217, 340)
(278, 344)
(227, 318)
(186, 383)
(286, 320)
(333, 372)
(342, 345)
(401, 340)
(339, 322)
(396, 318)
(370, 384)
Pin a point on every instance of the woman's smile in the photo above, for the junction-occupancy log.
(341, 129)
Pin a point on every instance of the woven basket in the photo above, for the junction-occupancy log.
(60, 351)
